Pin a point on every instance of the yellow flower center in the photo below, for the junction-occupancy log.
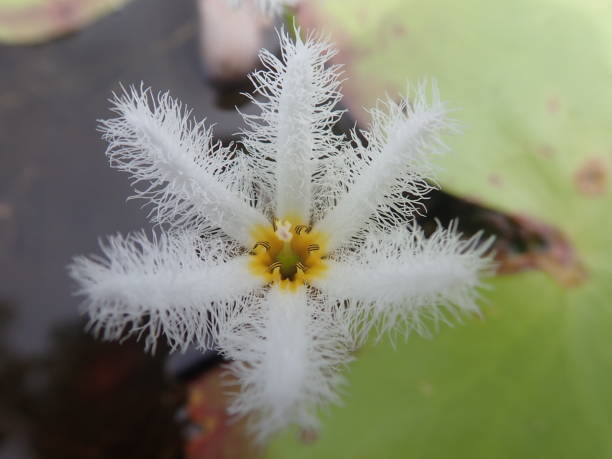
(287, 253)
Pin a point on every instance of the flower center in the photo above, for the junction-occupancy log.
(287, 253)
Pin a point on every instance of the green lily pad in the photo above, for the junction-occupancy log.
(34, 21)
(533, 379)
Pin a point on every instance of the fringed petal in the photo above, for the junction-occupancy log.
(405, 277)
(286, 361)
(297, 95)
(188, 179)
(378, 184)
(173, 286)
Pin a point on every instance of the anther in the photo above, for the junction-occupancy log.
(299, 265)
(264, 244)
(274, 265)
(313, 247)
(300, 228)
(274, 225)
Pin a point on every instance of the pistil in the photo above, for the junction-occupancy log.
(288, 260)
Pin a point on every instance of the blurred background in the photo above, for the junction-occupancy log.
(532, 84)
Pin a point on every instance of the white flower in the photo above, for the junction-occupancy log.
(283, 257)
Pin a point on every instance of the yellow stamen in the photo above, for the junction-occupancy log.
(288, 254)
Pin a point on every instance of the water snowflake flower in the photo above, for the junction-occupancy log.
(281, 252)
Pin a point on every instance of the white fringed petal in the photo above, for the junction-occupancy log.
(298, 94)
(379, 184)
(187, 178)
(286, 360)
(406, 277)
(169, 285)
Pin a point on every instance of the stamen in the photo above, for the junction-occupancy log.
(274, 265)
(300, 228)
(288, 257)
(264, 244)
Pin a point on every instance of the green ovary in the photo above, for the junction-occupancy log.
(288, 260)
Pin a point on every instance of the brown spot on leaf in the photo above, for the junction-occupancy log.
(399, 30)
(546, 151)
(496, 180)
(553, 105)
(591, 179)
